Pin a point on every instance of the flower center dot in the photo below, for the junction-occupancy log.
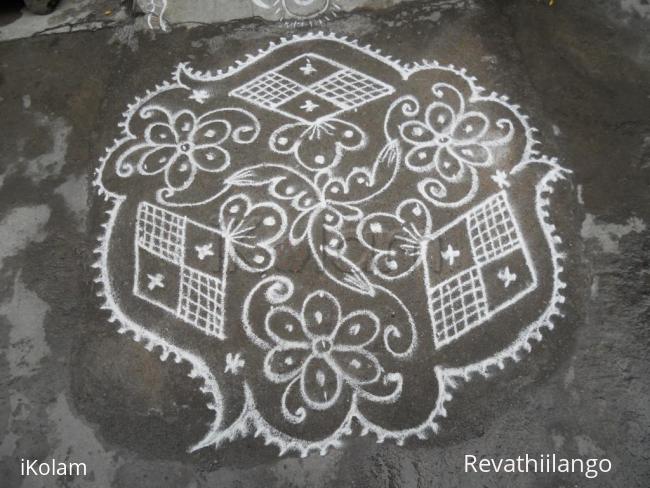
(322, 346)
(185, 147)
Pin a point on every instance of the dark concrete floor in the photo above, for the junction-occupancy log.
(71, 388)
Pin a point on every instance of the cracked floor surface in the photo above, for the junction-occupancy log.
(73, 388)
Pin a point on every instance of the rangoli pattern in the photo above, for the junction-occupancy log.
(333, 240)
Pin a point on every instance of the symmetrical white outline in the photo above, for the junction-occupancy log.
(447, 378)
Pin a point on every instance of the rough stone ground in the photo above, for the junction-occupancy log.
(71, 387)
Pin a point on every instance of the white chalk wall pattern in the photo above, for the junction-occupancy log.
(291, 11)
(322, 148)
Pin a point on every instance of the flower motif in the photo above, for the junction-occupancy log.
(180, 144)
(321, 350)
(320, 219)
(451, 137)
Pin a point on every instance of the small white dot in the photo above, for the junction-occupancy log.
(283, 140)
(320, 378)
(348, 133)
(259, 259)
(269, 221)
(320, 159)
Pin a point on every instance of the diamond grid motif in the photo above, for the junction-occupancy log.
(201, 301)
(160, 232)
(492, 230)
(349, 89)
(342, 87)
(268, 90)
(458, 304)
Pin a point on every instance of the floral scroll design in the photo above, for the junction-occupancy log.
(180, 145)
(305, 361)
(452, 141)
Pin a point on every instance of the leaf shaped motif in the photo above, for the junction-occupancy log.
(284, 182)
(325, 227)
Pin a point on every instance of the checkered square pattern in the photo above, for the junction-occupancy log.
(342, 87)
(492, 229)
(198, 298)
(458, 304)
(476, 291)
(201, 301)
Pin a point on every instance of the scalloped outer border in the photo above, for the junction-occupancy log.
(448, 378)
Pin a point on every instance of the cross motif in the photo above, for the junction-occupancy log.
(506, 276)
(156, 281)
(450, 254)
(309, 106)
(234, 363)
(501, 179)
(308, 69)
(204, 251)
(199, 95)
